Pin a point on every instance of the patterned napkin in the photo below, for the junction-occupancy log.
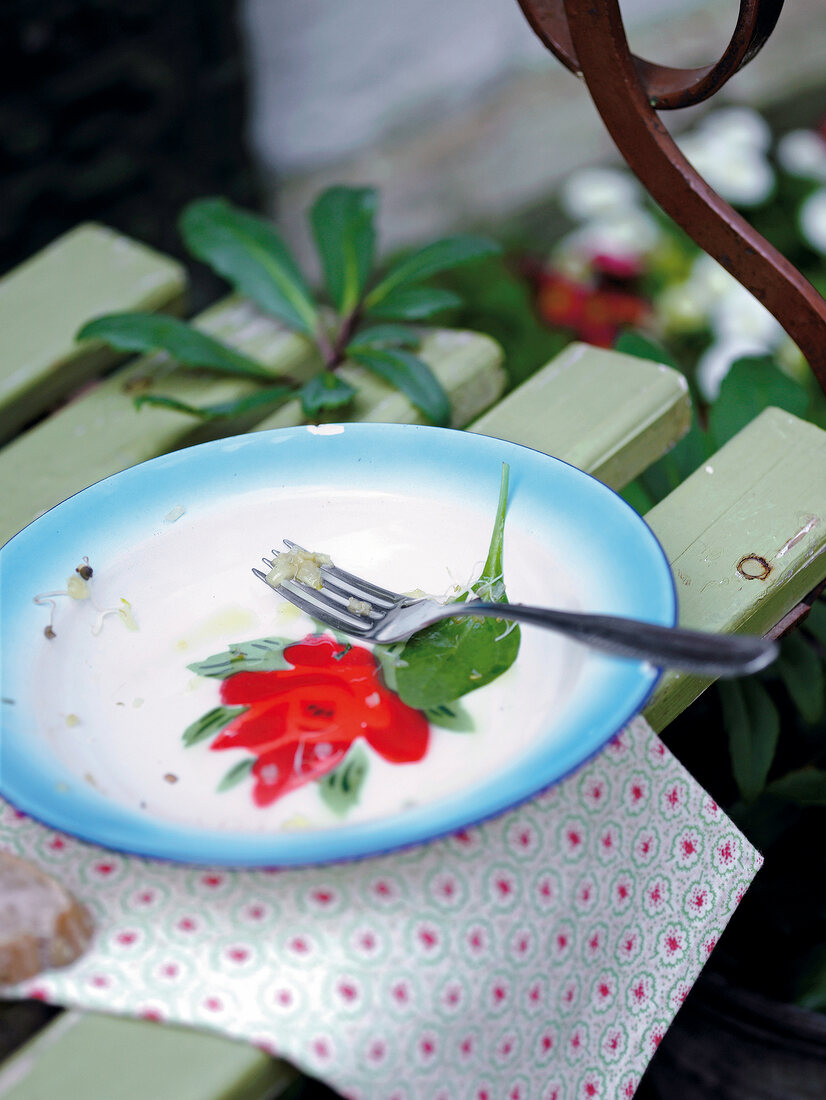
(540, 956)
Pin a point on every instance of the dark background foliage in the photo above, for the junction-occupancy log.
(119, 111)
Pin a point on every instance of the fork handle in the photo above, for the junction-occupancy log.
(664, 646)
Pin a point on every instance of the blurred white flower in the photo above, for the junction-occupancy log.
(700, 295)
(728, 148)
(739, 314)
(715, 363)
(624, 234)
(813, 220)
(738, 172)
(712, 298)
(738, 126)
(710, 280)
(679, 310)
(803, 153)
(593, 192)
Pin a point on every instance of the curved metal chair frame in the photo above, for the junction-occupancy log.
(589, 38)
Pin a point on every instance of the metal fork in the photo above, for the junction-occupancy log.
(394, 617)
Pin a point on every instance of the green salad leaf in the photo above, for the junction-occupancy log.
(453, 657)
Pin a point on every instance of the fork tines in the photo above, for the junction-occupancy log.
(312, 603)
(330, 603)
(355, 586)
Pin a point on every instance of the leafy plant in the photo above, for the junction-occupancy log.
(365, 319)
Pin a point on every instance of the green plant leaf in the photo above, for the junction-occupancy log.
(496, 301)
(325, 391)
(341, 787)
(415, 303)
(383, 336)
(342, 223)
(815, 622)
(673, 468)
(412, 376)
(145, 332)
(690, 451)
(631, 342)
(806, 787)
(455, 656)
(753, 726)
(224, 410)
(637, 495)
(259, 655)
(801, 671)
(751, 385)
(249, 252)
(210, 723)
(237, 774)
(430, 260)
(811, 985)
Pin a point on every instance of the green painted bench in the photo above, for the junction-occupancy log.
(67, 419)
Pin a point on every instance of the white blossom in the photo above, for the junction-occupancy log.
(813, 220)
(679, 309)
(740, 314)
(715, 363)
(737, 126)
(592, 192)
(803, 153)
(711, 297)
(728, 149)
(739, 173)
(624, 234)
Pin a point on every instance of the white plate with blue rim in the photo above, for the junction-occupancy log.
(171, 706)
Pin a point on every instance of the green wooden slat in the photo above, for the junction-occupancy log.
(467, 364)
(86, 1056)
(102, 432)
(763, 496)
(609, 414)
(88, 271)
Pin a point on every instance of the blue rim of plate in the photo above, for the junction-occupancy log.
(365, 454)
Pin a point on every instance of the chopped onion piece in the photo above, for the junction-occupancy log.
(358, 607)
(298, 565)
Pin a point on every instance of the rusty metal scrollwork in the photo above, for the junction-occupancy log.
(589, 38)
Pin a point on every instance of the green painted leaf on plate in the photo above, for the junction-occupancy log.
(258, 655)
(237, 774)
(340, 788)
(451, 716)
(210, 723)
